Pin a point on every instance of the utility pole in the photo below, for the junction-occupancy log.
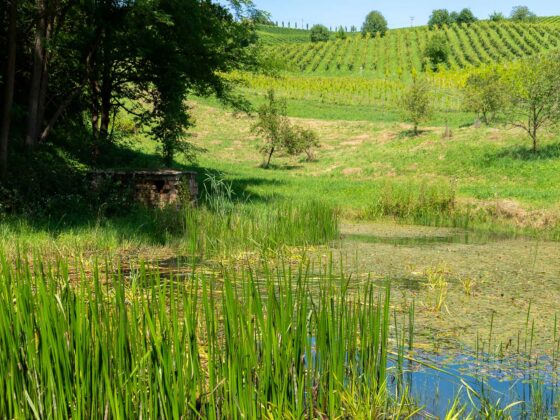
(412, 21)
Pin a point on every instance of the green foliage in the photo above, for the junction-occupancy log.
(319, 33)
(497, 17)
(401, 50)
(374, 24)
(465, 16)
(437, 51)
(439, 18)
(533, 88)
(416, 103)
(522, 14)
(414, 201)
(485, 94)
(341, 33)
(279, 133)
(260, 17)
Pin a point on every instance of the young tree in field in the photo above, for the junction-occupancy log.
(416, 102)
(533, 88)
(375, 23)
(485, 93)
(437, 51)
(279, 134)
(319, 33)
(438, 18)
(522, 14)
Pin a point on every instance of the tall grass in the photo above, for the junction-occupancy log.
(243, 346)
(415, 202)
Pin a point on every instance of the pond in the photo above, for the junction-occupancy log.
(485, 309)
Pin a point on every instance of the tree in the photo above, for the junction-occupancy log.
(8, 89)
(341, 33)
(279, 134)
(416, 102)
(485, 93)
(437, 51)
(261, 17)
(522, 14)
(497, 17)
(466, 16)
(438, 18)
(375, 23)
(319, 33)
(533, 88)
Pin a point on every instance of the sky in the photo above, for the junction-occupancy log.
(397, 12)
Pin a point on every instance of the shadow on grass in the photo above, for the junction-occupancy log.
(524, 153)
(49, 192)
(410, 134)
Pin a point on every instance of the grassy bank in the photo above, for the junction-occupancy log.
(497, 182)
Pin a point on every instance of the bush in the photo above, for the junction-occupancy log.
(522, 14)
(278, 132)
(437, 51)
(497, 17)
(375, 23)
(465, 16)
(439, 18)
(320, 33)
(417, 102)
(341, 33)
(485, 94)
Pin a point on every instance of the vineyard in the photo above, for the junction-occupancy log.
(383, 94)
(273, 35)
(399, 53)
(555, 20)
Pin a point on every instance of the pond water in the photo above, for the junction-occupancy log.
(483, 291)
(473, 293)
(529, 390)
(486, 310)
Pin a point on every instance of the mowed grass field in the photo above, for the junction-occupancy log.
(487, 166)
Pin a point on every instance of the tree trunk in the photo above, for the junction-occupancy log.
(269, 157)
(36, 78)
(9, 90)
(62, 107)
(106, 93)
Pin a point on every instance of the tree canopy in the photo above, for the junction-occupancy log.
(320, 33)
(69, 62)
(375, 23)
(522, 14)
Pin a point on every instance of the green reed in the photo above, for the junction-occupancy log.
(253, 344)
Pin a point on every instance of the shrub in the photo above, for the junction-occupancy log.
(341, 33)
(417, 102)
(497, 17)
(485, 94)
(279, 134)
(465, 16)
(319, 33)
(375, 23)
(437, 51)
(438, 18)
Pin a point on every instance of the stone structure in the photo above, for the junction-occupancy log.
(157, 188)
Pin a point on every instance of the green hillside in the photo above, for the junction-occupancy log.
(400, 51)
(273, 35)
(550, 19)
